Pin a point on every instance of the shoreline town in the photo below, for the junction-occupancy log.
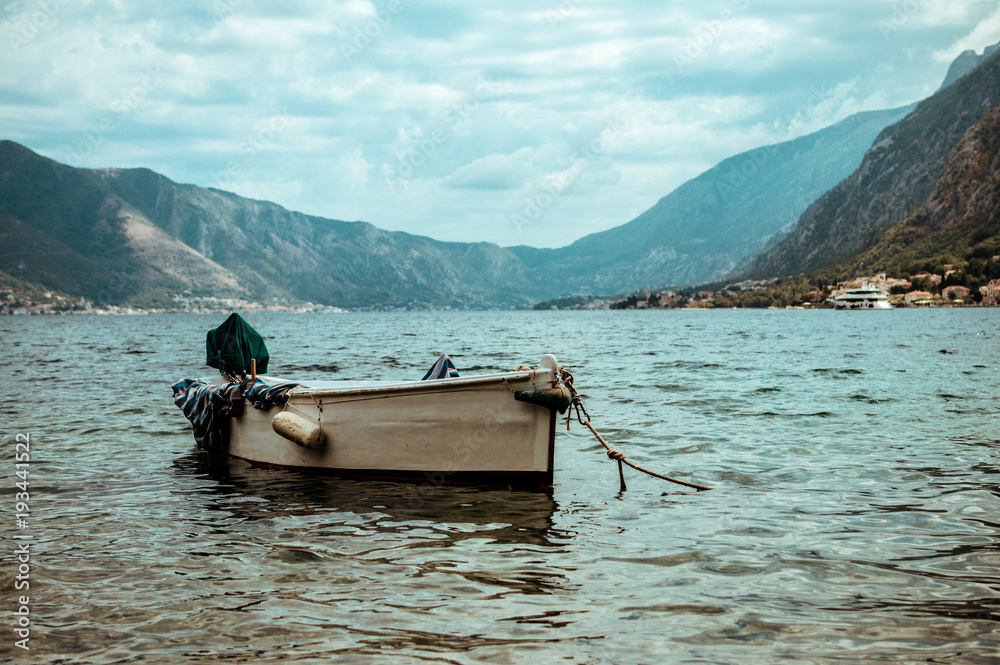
(921, 290)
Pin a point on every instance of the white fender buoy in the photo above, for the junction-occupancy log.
(297, 429)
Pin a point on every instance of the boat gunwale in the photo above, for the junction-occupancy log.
(303, 390)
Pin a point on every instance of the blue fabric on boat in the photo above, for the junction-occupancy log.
(443, 368)
(207, 406)
(263, 396)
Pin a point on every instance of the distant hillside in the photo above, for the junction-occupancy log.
(700, 231)
(897, 174)
(132, 236)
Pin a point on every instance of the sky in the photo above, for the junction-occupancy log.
(518, 123)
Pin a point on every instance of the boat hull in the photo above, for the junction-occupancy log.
(467, 430)
(861, 304)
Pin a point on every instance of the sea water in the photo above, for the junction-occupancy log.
(855, 458)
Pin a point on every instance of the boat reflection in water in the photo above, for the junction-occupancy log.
(364, 568)
(251, 493)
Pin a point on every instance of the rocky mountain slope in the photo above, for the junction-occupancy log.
(897, 174)
(958, 224)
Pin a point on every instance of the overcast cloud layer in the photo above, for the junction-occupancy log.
(516, 122)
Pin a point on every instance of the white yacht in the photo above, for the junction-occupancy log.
(865, 296)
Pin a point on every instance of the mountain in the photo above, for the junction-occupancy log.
(702, 229)
(898, 172)
(133, 236)
(954, 234)
(965, 63)
(958, 224)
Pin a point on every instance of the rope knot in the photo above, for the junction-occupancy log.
(615, 455)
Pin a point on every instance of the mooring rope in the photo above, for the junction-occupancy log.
(616, 455)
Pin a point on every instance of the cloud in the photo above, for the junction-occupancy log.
(444, 118)
(985, 33)
(495, 171)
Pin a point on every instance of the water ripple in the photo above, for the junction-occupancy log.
(853, 520)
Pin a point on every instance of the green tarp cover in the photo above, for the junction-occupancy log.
(232, 345)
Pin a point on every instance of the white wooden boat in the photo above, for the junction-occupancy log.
(490, 429)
